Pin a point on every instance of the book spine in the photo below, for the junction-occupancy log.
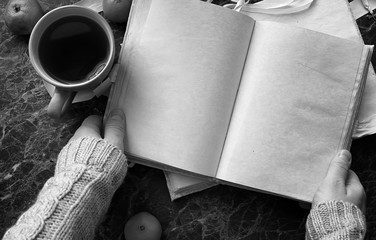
(356, 100)
(138, 9)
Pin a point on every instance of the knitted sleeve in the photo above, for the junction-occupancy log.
(335, 220)
(72, 202)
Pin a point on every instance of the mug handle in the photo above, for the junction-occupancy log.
(60, 102)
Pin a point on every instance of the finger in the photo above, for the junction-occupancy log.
(352, 178)
(90, 127)
(355, 190)
(339, 167)
(114, 128)
(353, 185)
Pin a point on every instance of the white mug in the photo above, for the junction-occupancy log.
(72, 48)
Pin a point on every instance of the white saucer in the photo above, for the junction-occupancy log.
(80, 96)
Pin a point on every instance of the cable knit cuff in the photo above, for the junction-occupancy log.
(335, 220)
(88, 172)
(92, 152)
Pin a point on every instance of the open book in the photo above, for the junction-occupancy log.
(210, 92)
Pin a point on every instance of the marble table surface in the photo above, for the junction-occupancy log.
(30, 142)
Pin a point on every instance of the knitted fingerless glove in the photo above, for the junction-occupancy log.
(72, 203)
(335, 220)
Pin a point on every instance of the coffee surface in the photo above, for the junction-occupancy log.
(72, 47)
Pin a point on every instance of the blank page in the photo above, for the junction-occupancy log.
(292, 110)
(181, 83)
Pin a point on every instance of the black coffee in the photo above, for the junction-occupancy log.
(72, 47)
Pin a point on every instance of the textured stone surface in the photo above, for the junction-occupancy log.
(30, 142)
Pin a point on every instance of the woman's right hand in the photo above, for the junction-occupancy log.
(341, 183)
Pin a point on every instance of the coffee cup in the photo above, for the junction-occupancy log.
(73, 49)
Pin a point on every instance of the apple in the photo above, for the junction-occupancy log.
(143, 226)
(116, 11)
(21, 15)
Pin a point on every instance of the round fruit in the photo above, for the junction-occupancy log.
(143, 226)
(21, 15)
(117, 10)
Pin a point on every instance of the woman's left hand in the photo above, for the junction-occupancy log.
(113, 130)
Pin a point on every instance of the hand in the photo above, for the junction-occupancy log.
(113, 131)
(341, 183)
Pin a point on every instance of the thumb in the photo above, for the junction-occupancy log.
(114, 128)
(339, 167)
